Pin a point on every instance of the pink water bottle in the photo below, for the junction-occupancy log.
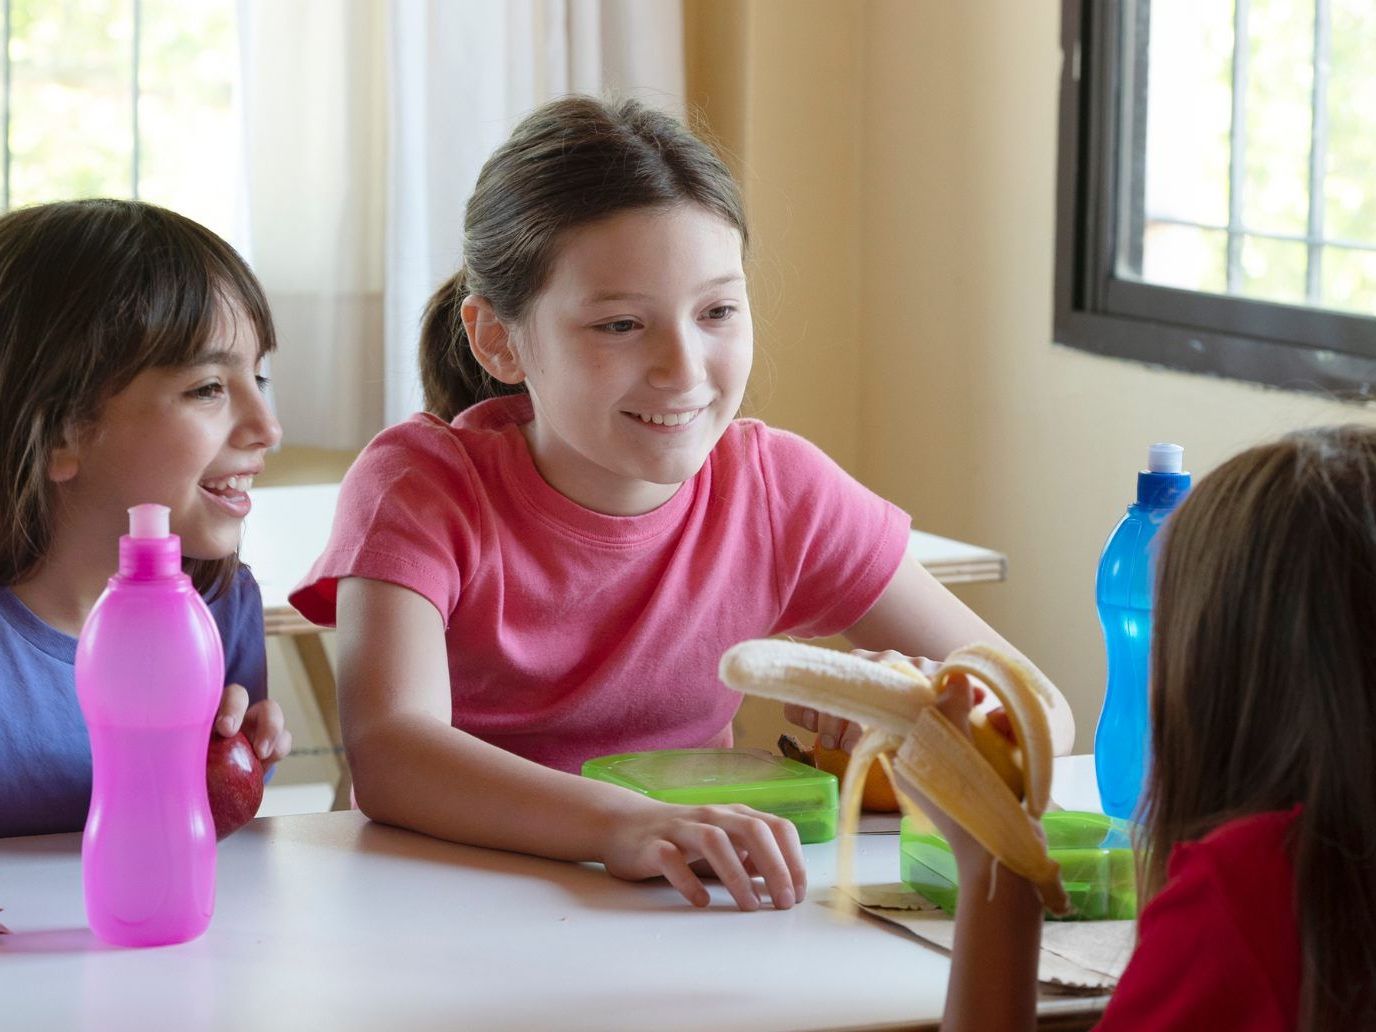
(149, 674)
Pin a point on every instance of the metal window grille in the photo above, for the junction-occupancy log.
(1103, 305)
(1235, 231)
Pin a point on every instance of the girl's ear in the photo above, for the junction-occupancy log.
(63, 462)
(490, 340)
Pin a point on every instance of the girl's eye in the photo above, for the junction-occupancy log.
(721, 312)
(207, 391)
(618, 326)
(263, 384)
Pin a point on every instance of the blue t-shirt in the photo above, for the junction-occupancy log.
(45, 754)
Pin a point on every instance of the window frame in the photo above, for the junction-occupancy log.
(1289, 346)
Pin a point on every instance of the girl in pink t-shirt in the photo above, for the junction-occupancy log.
(547, 565)
(1259, 818)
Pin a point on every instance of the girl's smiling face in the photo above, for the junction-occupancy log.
(189, 437)
(636, 355)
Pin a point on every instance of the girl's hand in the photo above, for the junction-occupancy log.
(262, 723)
(735, 843)
(836, 732)
(955, 703)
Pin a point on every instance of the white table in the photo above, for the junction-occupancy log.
(329, 921)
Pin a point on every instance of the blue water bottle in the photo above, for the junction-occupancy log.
(1123, 591)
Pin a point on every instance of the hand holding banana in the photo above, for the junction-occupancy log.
(996, 790)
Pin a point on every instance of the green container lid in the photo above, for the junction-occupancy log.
(1094, 851)
(700, 777)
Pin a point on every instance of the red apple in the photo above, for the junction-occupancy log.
(234, 782)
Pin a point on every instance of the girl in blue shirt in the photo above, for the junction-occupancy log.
(130, 345)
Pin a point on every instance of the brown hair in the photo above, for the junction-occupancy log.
(1264, 689)
(92, 293)
(570, 163)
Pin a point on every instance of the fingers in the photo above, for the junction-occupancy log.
(670, 862)
(801, 715)
(956, 700)
(736, 844)
(850, 736)
(832, 731)
(233, 706)
(264, 726)
(999, 721)
(768, 846)
(280, 751)
(928, 667)
(717, 849)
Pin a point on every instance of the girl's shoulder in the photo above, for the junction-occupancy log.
(1244, 861)
(238, 610)
(21, 630)
(1218, 946)
(1240, 841)
(242, 591)
(424, 448)
(754, 442)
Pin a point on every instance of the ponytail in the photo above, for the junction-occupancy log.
(450, 375)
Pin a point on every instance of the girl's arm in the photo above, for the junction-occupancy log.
(993, 982)
(411, 768)
(917, 616)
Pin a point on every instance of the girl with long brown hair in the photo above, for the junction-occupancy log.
(547, 566)
(130, 344)
(1258, 853)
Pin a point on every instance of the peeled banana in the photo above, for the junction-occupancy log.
(999, 803)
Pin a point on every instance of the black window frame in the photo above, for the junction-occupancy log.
(1289, 346)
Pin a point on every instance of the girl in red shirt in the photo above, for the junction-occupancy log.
(1258, 854)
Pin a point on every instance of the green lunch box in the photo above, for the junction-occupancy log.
(760, 780)
(1094, 851)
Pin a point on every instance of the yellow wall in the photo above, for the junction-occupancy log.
(912, 300)
(802, 191)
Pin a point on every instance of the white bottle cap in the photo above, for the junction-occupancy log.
(149, 521)
(1165, 458)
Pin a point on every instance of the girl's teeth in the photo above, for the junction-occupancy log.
(237, 484)
(671, 419)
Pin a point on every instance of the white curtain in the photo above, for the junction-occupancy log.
(366, 123)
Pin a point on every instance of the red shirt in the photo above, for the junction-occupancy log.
(1219, 946)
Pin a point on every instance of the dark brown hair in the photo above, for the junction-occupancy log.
(92, 293)
(570, 163)
(1264, 689)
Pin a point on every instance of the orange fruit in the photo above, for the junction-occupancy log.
(878, 795)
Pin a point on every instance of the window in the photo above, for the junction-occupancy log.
(122, 98)
(1216, 206)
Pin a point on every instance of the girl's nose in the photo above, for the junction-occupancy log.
(257, 427)
(678, 361)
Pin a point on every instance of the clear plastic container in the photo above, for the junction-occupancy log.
(698, 777)
(1094, 851)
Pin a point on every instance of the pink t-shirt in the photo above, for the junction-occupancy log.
(572, 634)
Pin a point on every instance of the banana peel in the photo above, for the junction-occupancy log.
(995, 789)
